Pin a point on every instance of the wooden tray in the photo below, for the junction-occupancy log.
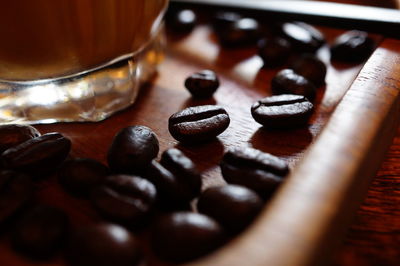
(332, 160)
(307, 216)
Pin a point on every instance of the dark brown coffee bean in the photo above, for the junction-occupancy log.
(234, 207)
(132, 149)
(16, 190)
(176, 178)
(199, 123)
(302, 36)
(181, 21)
(37, 156)
(282, 111)
(202, 84)
(259, 171)
(40, 232)
(79, 175)
(183, 169)
(274, 51)
(352, 47)
(172, 193)
(223, 20)
(183, 236)
(244, 31)
(12, 135)
(103, 245)
(287, 81)
(310, 67)
(125, 199)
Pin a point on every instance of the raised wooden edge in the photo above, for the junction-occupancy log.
(309, 214)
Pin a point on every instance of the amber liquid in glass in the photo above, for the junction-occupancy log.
(52, 38)
(75, 60)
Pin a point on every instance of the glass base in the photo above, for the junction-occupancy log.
(88, 96)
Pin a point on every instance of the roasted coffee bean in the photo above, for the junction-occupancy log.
(233, 206)
(132, 149)
(244, 31)
(302, 36)
(176, 178)
(202, 84)
(40, 232)
(199, 123)
(223, 20)
(12, 135)
(125, 199)
(183, 236)
(176, 162)
(181, 21)
(274, 51)
(287, 81)
(103, 245)
(16, 190)
(282, 111)
(352, 47)
(79, 175)
(183, 170)
(310, 67)
(173, 194)
(37, 156)
(259, 171)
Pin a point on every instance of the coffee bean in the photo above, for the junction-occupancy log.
(244, 31)
(223, 20)
(274, 51)
(12, 135)
(287, 81)
(181, 21)
(79, 175)
(310, 67)
(183, 236)
(103, 245)
(182, 168)
(38, 156)
(199, 123)
(16, 190)
(132, 149)
(176, 178)
(352, 47)
(125, 199)
(282, 111)
(234, 207)
(259, 171)
(40, 232)
(302, 36)
(202, 84)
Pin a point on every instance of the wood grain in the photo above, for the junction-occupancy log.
(374, 236)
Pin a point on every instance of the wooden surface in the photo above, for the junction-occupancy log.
(367, 116)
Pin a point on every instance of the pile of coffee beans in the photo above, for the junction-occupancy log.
(136, 193)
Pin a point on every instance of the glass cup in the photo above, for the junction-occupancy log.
(75, 60)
